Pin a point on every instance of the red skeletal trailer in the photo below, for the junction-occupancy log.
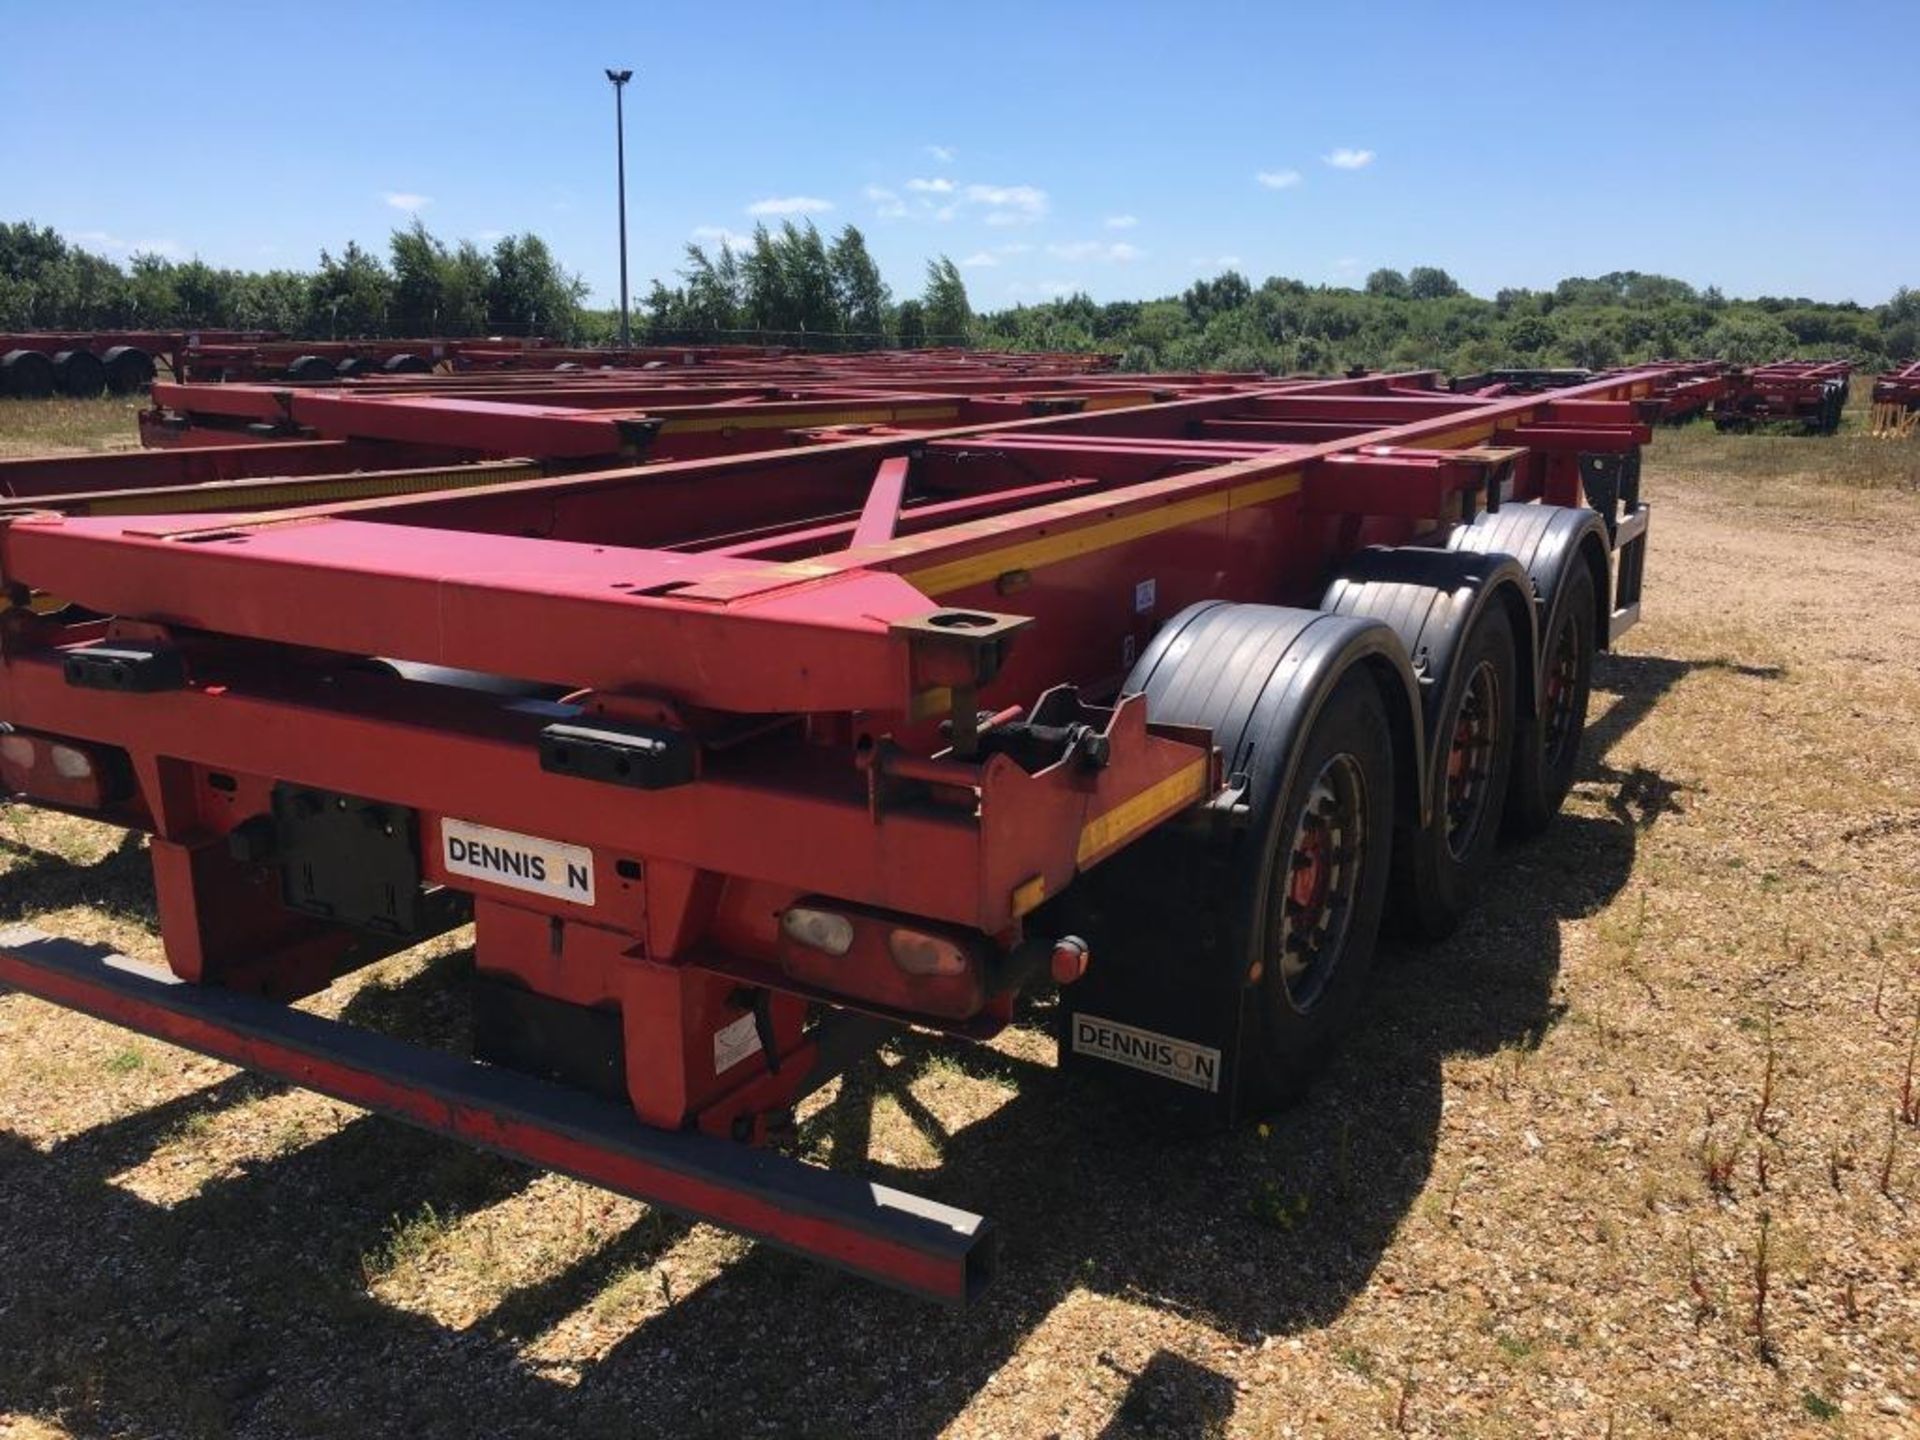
(738, 763)
(1809, 394)
(1896, 402)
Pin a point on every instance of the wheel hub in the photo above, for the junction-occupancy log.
(1470, 758)
(1319, 879)
(1563, 685)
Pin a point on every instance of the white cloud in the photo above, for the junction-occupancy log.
(406, 200)
(1050, 289)
(1009, 204)
(488, 237)
(979, 259)
(1000, 205)
(943, 153)
(1118, 251)
(1345, 159)
(1346, 262)
(1217, 262)
(721, 235)
(789, 205)
(887, 203)
(114, 244)
(1122, 222)
(1278, 179)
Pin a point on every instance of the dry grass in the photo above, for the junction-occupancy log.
(54, 427)
(1626, 1157)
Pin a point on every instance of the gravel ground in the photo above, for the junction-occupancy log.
(1626, 1157)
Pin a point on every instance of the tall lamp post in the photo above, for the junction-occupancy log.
(619, 79)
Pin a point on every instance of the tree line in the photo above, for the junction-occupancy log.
(793, 285)
(423, 287)
(1423, 318)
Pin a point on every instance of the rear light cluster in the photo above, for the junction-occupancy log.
(911, 967)
(871, 957)
(919, 954)
(68, 773)
(818, 930)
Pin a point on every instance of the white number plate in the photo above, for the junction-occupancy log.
(522, 862)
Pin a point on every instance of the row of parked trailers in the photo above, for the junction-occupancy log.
(1808, 395)
(85, 364)
(749, 723)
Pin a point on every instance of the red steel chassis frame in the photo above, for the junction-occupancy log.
(660, 414)
(1899, 387)
(1805, 392)
(805, 620)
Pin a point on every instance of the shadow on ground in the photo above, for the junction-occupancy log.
(244, 1310)
(119, 881)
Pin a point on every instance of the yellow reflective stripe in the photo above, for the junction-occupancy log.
(1087, 539)
(1460, 439)
(1156, 802)
(224, 496)
(802, 419)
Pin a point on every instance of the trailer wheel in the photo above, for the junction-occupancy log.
(26, 375)
(1317, 911)
(1547, 750)
(1466, 616)
(1438, 865)
(80, 373)
(129, 369)
(1833, 406)
(353, 365)
(408, 365)
(310, 368)
(1563, 549)
(1246, 936)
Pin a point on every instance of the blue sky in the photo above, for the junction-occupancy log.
(1119, 148)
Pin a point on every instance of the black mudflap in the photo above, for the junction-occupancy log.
(1154, 1017)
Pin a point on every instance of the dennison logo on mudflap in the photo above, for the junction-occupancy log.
(1162, 1055)
(524, 862)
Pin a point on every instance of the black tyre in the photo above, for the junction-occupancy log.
(1547, 746)
(353, 365)
(308, 369)
(26, 375)
(1438, 866)
(1317, 897)
(408, 365)
(129, 369)
(80, 374)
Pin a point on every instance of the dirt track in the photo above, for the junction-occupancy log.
(1528, 1201)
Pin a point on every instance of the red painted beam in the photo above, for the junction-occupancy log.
(871, 1230)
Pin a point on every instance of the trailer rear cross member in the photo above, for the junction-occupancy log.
(739, 763)
(868, 1229)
